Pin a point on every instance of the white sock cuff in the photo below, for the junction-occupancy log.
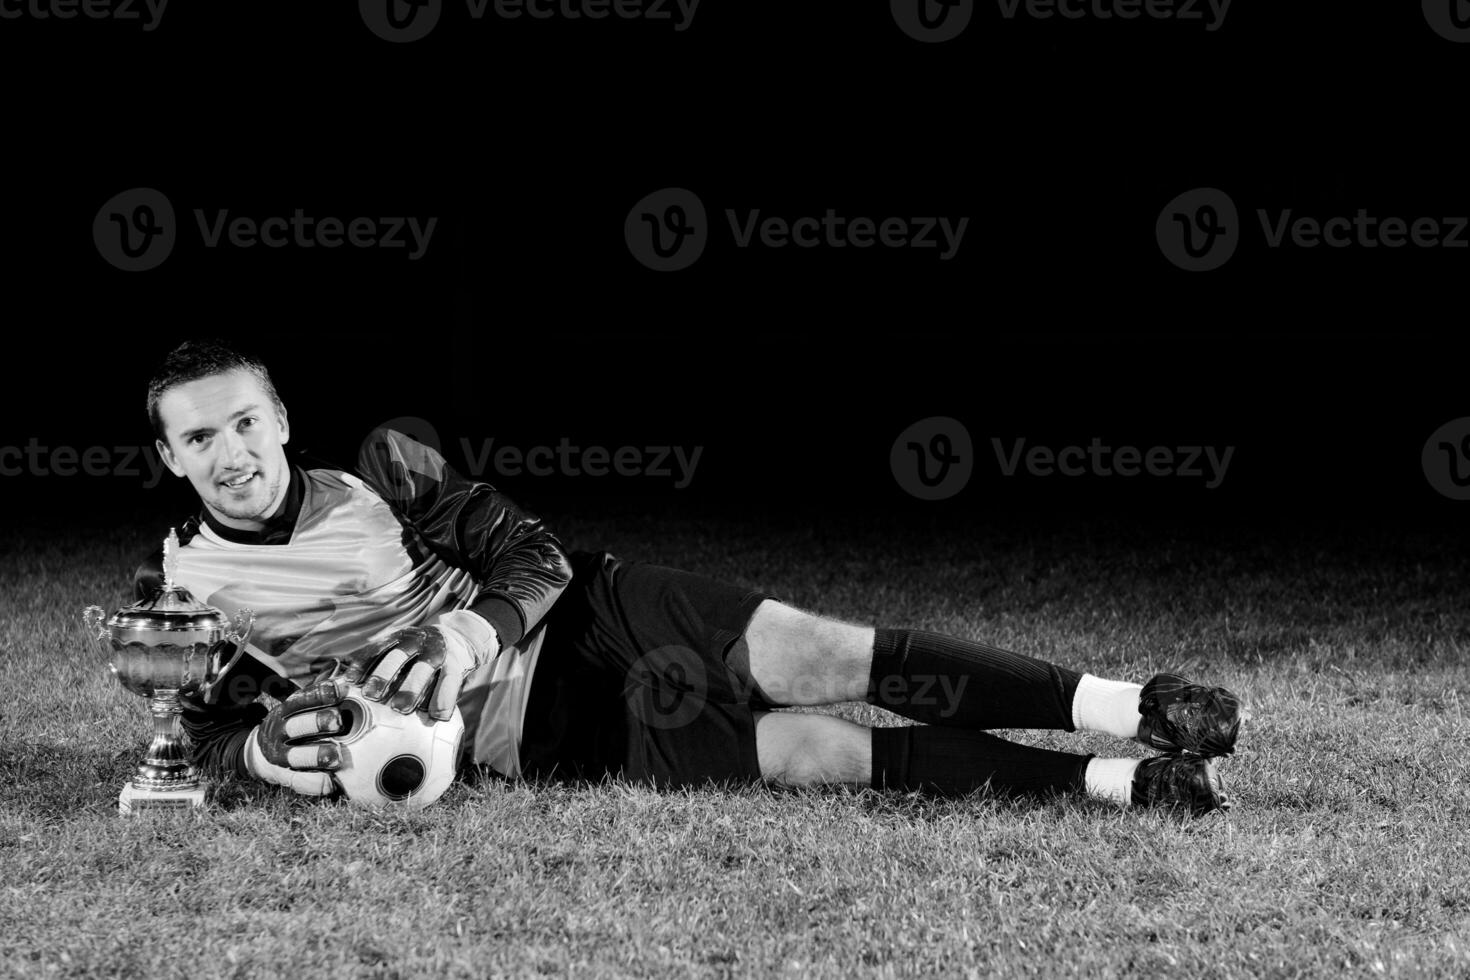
(1111, 779)
(1106, 706)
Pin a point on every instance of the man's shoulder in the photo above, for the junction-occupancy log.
(389, 454)
(381, 460)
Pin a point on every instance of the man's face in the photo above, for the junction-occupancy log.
(226, 435)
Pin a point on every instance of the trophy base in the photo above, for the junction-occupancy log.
(140, 799)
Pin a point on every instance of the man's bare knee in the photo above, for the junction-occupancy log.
(799, 658)
(808, 750)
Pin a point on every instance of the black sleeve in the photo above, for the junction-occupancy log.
(517, 562)
(218, 737)
(218, 731)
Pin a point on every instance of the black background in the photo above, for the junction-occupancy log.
(529, 321)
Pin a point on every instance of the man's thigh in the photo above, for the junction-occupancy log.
(793, 657)
(688, 740)
(645, 647)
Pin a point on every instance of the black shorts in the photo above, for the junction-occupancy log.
(632, 679)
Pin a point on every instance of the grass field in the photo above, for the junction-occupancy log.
(1345, 852)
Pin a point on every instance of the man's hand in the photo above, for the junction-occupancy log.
(425, 666)
(292, 747)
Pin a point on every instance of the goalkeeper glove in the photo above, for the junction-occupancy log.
(292, 746)
(425, 666)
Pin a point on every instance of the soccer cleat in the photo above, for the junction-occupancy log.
(1179, 781)
(1178, 716)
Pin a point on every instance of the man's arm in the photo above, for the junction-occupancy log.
(239, 735)
(291, 745)
(219, 731)
(517, 562)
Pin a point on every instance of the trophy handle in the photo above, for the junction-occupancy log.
(237, 634)
(92, 618)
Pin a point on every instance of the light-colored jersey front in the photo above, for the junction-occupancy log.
(352, 574)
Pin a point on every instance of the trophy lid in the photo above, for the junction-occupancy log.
(171, 607)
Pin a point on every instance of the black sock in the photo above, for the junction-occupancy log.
(954, 761)
(941, 680)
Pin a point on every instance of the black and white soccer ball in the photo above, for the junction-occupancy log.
(392, 759)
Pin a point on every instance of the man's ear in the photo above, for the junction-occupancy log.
(283, 422)
(167, 455)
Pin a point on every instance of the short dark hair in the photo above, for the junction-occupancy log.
(195, 359)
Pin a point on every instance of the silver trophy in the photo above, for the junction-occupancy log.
(164, 646)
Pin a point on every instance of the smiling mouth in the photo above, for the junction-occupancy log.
(238, 482)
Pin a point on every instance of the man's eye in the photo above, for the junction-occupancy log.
(197, 440)
(248, 420)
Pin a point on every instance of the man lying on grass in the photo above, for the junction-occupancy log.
(433, 590)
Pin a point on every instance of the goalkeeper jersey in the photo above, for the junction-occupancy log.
(356, 555)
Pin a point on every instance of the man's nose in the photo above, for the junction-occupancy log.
(233, 450)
